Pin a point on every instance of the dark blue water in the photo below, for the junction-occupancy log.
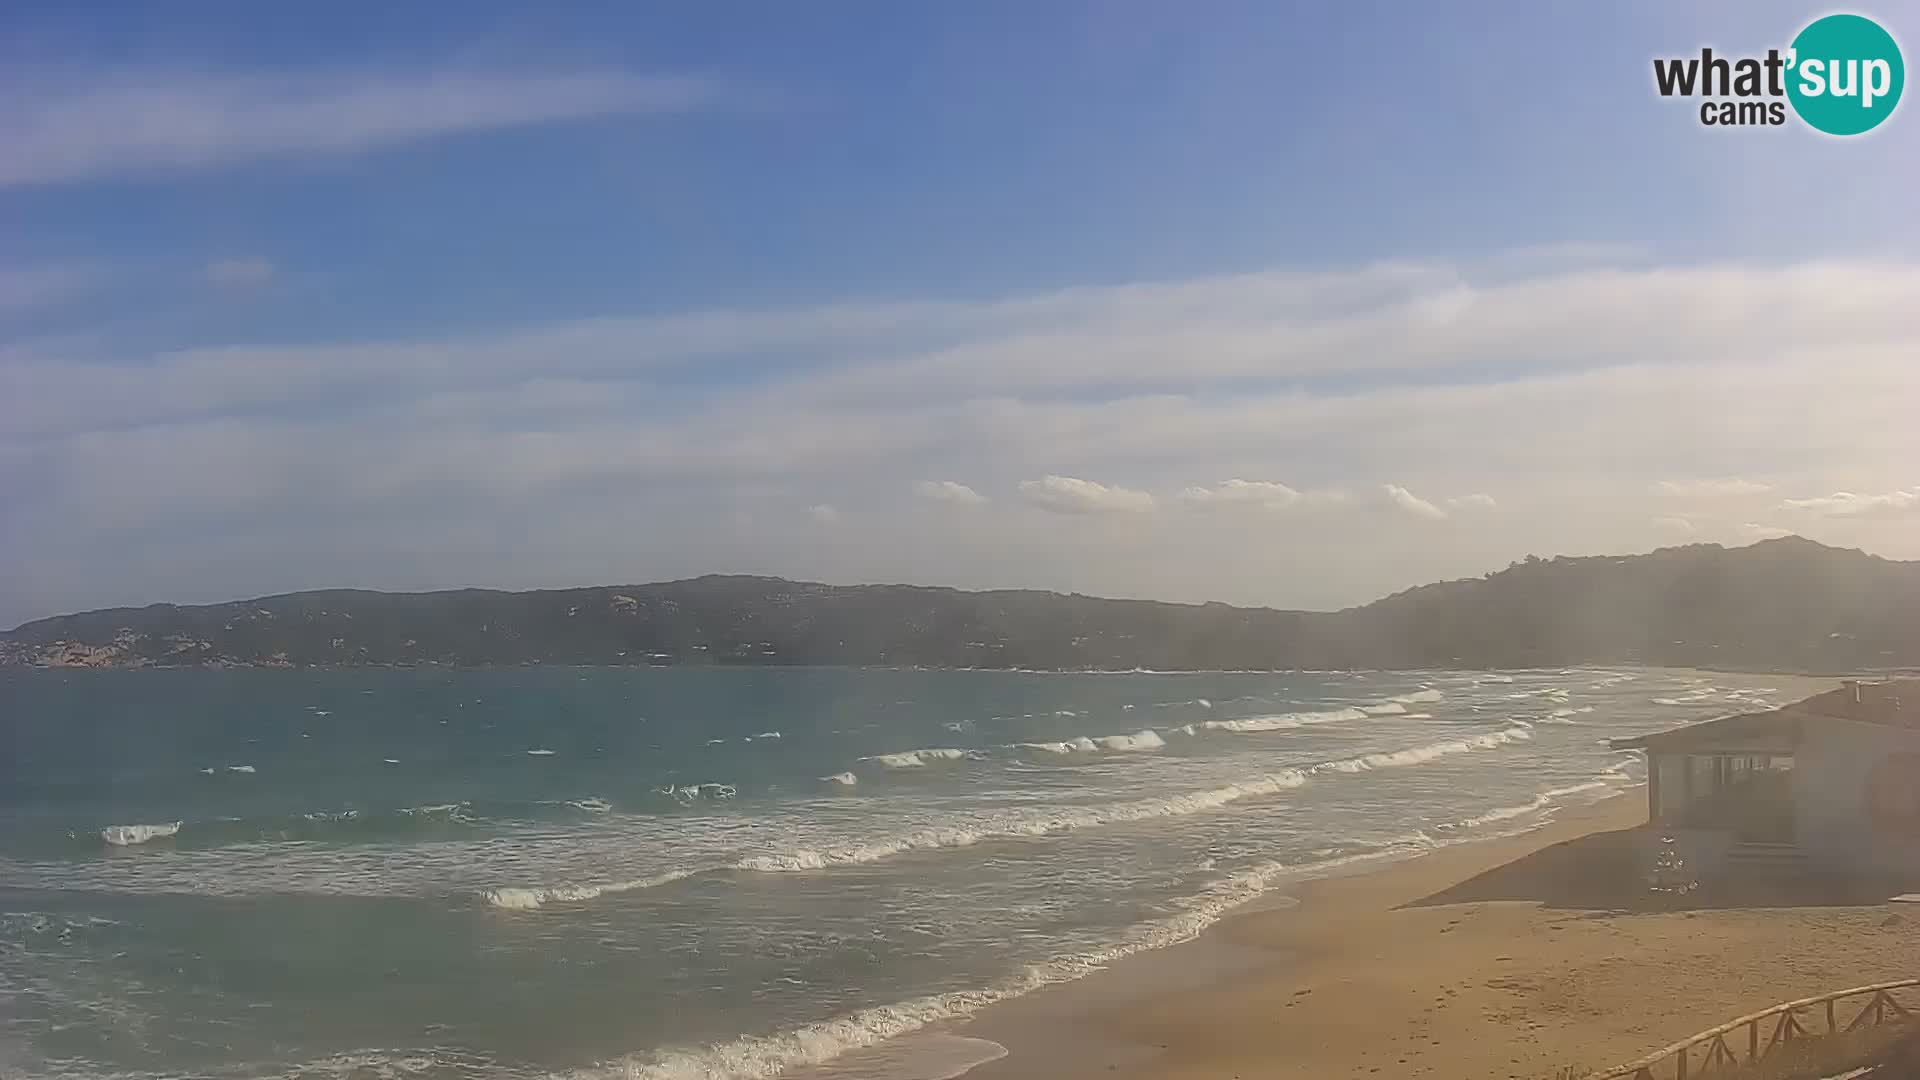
(699, 872)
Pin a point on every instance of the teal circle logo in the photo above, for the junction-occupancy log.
(1845, 74)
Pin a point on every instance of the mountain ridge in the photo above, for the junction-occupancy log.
(1787, 603)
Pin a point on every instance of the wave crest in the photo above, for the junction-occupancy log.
(127, 835)
(917, 759)
(528, 899)
(1277, 722)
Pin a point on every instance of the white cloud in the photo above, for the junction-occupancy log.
(1848, 504)
(1070, 495)
(822, 514)
(1764, 532)
(63, 126)
(1265, 494)
(1475, 501)
(240, 271)
(949, 491)
(1410, 503)
(1725, 487)
(586, 424)
(1675, 524)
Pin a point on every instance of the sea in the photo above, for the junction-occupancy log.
(706, 873)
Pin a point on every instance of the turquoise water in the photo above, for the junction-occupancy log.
(700, 873)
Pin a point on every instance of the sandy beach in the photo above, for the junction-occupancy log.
(1511, 957)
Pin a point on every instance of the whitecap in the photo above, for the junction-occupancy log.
(1420, 697)
(125, 835)
(844, 779)
(686, 794)
(529, 898)
(540, 753)
(1279, 722)
(1144, 739)
(968, 830)
(241, 768)
(1420, 755)
(915, 759)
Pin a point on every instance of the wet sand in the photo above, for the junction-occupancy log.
(1511, 957)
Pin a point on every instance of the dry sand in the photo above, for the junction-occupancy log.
(1513, 957)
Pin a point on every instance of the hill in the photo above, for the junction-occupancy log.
(1787, 604)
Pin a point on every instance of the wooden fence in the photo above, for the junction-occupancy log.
(1782, 1024)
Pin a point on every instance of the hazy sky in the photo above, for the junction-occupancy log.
(1190, 302)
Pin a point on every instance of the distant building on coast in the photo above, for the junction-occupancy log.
(1829, 785)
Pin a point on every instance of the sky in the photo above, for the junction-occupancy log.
(1292, 305)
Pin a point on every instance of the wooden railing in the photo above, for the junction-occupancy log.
(1709, 1050)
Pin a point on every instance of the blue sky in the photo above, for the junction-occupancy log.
(491, 294)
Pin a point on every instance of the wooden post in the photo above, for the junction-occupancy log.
(1753, 1040)
(1831, 1026)
(1680, 1064)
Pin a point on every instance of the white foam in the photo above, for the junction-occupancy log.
(1203, 703)
(591, 805)
(1419, 697)
(527, 899)
(540, 752)
(124, 835)
(970, 830)
(391, 760)
(241, 768)
(1144, 739)
(1080, 745)
(1420, 755)
(916, 759)
(1491, 677)
(690, 793)
(1279, 722)
(844, 779)
(1391, 708)
(757, 1057)
(1504, 813)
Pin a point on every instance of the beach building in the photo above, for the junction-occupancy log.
(1828, 785)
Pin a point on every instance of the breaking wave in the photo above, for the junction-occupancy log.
(527, 899)
(688, 794)
(917, 759)
(1420, 755)
(757, 1057)
(1144, 739)
(1279, 722)
(970, 830)
(125, 835)
(844, 779)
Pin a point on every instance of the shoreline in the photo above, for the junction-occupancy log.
(1441, 964)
